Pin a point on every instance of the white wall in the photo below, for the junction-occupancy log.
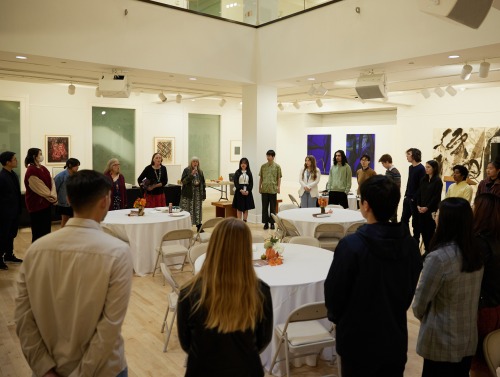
(47, 109)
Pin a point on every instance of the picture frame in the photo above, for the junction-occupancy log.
(165, 146)
(56, 170)
(235, 151)
(57, 149)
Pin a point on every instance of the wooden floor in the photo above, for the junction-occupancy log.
(141, 330)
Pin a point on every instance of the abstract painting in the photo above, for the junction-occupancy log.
(165, 146)
(464, 146)
(57, 149)
(356, 145)
(320, 146)
(235, 152)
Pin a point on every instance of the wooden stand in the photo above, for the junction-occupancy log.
(224, 209)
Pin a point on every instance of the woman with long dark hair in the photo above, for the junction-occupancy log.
(40, 193)
(492, 182)
(309, 180)
(428, 198)
(447, 295)
(487, 232)
(339, 180)
(225, 314)
(152, 179)
(63, 206)
(243, 185)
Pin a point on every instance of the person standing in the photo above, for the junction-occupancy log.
(269, 188)
(309, 180)
(492, 181)
(40, 194)
(243, 185)
(118, 191)
(416, 172)
(63, 207)
(10, 202)
(73, 290)
(392, 173)
(193, 191)
(373, 275)
(428, 198)
(366, 171)
(460, 189)
(225, 313)
(152, 179)
(447, 295)
(339, 180)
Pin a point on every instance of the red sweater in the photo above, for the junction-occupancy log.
(35, 202)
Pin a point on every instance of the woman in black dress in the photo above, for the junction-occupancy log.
(152, 179)
(243, 185)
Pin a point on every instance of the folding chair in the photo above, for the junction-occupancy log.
(284, 207)
(303, 334)
(329, 235)
(172, 298)
(195, 252)
(202, 235)
(280, 231)
(491, 348)
(353, 228)
(294, 201)
(175, 250)
(305, 240)
(290, 229)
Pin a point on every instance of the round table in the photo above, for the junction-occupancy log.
(144, 233)
(298, 281)
(305, 222)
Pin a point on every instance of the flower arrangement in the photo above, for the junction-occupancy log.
(274, 251)
(322, 202)
(140, 203)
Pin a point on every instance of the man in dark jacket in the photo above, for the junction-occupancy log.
(370, 286)
(10, 203)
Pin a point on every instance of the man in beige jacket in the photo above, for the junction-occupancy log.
(73, 291)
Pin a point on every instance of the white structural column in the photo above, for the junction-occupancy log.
(258, 134)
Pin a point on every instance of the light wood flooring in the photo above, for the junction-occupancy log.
(141, 330)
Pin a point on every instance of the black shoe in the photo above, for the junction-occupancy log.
(11, 258)
(272, 226)
(266, 226)
(3, 266)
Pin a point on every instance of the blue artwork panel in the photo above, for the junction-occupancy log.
(320, 146)
(357, 145)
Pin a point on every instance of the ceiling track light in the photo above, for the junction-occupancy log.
(162, 97)
(439, 91)
(222, 102)
(280, 106)
(319, 103)
(296, 104)
(466, 72)
(425, 92)
(484, 69)
(312, 90)
(178, 98)
(451, 91)
(71, 89)
(321, 91)
(98, 92)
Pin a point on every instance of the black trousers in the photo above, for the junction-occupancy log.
(8, 231)
(268, 207)
(337, 197)
(447, 369)
(41, 222)
(357, 368)
(410, 210)
(428, 227)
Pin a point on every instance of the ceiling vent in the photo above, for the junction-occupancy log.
(114, 86)
(371, 86)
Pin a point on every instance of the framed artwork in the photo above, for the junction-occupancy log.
(320, 146)
(356, 145)
(235, 154)
(165, 146)
(57, 149)
(56, 170)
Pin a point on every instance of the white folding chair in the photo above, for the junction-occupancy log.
(280, 231)
(174, 250)
(329, 235)
(172, 298)
(303, 334)
(491, 348)
(284, 207)
(195, 252)
(305, 240)
(294, 201)
(202, 235)
(290, 229)
(353, 228)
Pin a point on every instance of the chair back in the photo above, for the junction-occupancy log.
(290, 229)
(353, 228)
(284, 207)
(210, 223)
(196, 251)
(308, 312)
(491, 348)
(305, 240)
(281, 231)
(178, 234)
(294, 201)
(169, 278)
(329, 231)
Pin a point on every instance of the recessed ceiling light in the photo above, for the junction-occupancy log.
(311, 78)
(21, 57)
(193, 78)
(103, 112)
(453, 56)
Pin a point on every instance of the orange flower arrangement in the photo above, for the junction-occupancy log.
(322, 201)
(140, 203)
(274, 252)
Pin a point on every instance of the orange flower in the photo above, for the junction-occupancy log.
(140, 203)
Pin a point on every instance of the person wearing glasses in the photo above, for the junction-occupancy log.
(118, 190)
(339, 180)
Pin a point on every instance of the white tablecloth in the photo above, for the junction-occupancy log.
(298, 281)
(144, 233)
(305, 222)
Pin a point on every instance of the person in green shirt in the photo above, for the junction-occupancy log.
(269, 188)
(339, 180)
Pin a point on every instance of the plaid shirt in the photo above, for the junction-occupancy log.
(446, 303)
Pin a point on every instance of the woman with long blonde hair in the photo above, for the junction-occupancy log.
(225, 314)
(309, 180)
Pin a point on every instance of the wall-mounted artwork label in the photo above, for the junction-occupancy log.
(57, 149)
(356, 145)
(320, 146)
